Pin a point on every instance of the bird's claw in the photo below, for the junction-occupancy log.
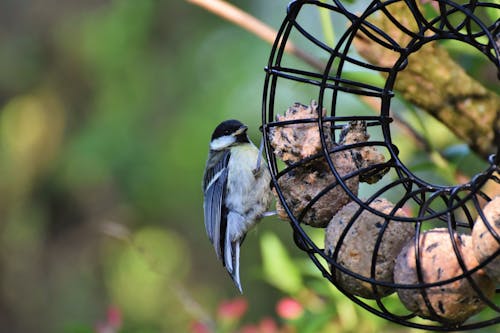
(257, 169)
(271, 213)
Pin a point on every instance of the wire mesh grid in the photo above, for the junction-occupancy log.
(420, 204)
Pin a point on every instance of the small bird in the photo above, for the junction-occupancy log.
(236, 191)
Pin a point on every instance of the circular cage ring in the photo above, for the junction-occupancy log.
(318, 156)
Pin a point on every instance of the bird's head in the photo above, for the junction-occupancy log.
(228, 133)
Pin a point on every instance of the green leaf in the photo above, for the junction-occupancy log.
(327, 26)
(279, 268)
(365, 77)
(78, 328)
(314, 323)
(429, 11)
(493, 12)
(456, 152)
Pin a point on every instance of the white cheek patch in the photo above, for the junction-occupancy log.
(222, 142)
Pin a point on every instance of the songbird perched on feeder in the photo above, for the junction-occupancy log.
(236, 190)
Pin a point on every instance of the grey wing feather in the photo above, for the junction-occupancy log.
(214, 184)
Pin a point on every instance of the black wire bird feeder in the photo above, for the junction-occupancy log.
(410, 251)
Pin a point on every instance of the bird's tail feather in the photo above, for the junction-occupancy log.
(232, 261)
(236, 262)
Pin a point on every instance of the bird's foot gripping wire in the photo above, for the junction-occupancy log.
(271, 213)
(259, 159)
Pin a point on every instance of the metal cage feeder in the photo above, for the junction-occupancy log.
(453, 209)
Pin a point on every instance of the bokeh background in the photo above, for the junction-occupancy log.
(106, 110)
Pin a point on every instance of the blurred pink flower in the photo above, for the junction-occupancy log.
(233, 309)
(113, 321)
(289, 308)
(114, 317)
(268, 325)
(103, 328)
(249, 329)
(199, 327)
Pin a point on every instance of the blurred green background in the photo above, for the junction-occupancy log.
(107, 108)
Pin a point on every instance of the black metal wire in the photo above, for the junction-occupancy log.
(452, 207)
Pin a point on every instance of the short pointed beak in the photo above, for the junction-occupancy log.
(240, 130)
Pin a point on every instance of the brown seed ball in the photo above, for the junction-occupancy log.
(303, 183)
(453, 302)
(484, 243)
(366, 156)
(294, 142)
(358, 246)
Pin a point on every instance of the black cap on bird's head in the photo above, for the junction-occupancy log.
(229, 132)
(229, 127)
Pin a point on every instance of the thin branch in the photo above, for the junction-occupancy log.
(191, 306)
(258, 28)
(268, 34)
(436, 83)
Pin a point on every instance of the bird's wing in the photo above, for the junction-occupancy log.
(214, 184)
